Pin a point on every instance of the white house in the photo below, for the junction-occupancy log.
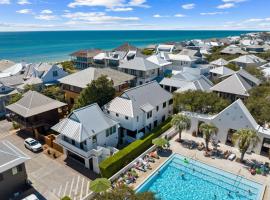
(48, 73)
(88, 135)
(236, 85)
(235, 117)
(140, 109)
(144, 70)
(248, 61)
(187, 79)
(168, 48)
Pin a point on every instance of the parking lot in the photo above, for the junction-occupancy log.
(51, 178)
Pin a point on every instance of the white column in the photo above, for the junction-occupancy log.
(86, 163)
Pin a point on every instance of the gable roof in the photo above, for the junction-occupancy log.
(84, 123)
(234, 84)
(134, 100)
(156, 59)
(138, 63)
(10, 156)
(235, 113)
(201, 83)
(220, 62)
(33, 103)
(82, 78)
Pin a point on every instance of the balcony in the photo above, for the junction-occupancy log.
(86, 154)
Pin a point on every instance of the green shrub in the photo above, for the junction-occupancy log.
(147, 52)
(113, 164)
(16, 125)
(65, 198)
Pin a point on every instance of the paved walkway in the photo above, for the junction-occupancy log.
(226, 165)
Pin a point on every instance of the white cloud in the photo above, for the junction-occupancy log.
(120, 9)
(24, 11)
(46, 11)
(160, 16)
(256, 20)
(97, 17)
(4, 2)
(24, 2)
(226, 6)
(213, 13)
(233, 1)
(188, 6)
(139, 3)
(108, 3)
(179, 15)
(46, 17)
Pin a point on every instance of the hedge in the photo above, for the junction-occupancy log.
(116, 162)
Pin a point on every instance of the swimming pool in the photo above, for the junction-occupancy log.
(178, 179)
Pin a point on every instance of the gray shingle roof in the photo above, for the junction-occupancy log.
(33, 103)
(84, 123)
(82, 78)
(249, 59)
(10, 156)
(234, 84)
(139, 63)
(133, 100)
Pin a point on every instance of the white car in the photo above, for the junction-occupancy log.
(31, 197)
(32, 145)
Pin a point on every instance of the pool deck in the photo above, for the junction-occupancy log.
(226, 165)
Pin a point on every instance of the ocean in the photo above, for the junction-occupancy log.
(51, 46)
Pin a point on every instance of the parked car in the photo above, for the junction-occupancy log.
(32, 145)
(31, 197)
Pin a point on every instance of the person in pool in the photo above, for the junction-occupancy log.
(182, 175)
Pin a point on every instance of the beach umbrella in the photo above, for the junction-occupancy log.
(160, 142)
(100, 185)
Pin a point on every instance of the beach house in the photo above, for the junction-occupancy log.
(248, 61)
(83, 59)
(236, 85)
(13, 175)
(88, 135)
(35, 111)
(140, 109)
(185, 80)
(49, 74)
(235, 117)
(73, 84)
(143, 69)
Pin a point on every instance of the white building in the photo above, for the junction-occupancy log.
(248, 61)
(188, 79)
(168, 48)
(48, 73)
(88, 135)
(144, 70)
(235, 117)
(140, 109)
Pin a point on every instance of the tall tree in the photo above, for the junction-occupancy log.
(124, 192)
(199, 101)
(180, 123)
(208, 131)
(244, 139)
(100, 91)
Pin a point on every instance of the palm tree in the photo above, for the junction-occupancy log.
(124, 192)
(208, 130)
(244, 139)
(180, 123)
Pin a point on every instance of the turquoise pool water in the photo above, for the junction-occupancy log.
(179, 180)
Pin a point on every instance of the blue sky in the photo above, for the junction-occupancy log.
(20, 15)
